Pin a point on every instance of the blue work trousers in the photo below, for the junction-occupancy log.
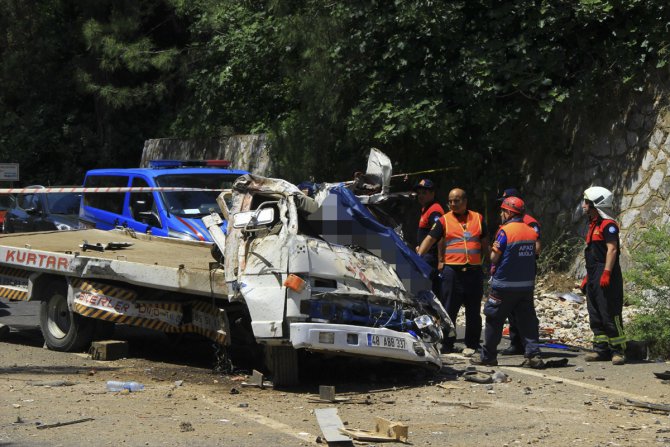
(498, 307)
(464, 286)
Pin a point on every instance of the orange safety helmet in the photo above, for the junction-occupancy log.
(514, 204)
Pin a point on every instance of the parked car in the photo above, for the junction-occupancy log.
(43, 212)
(175, 214)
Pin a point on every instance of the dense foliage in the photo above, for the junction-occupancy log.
(649, 284)
(461, 84)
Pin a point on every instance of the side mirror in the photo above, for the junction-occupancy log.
(254, 219)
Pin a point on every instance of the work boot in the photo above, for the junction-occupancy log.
(597, 357)
(479, 362)
(618, 359)
(512, 350)
(533, 362)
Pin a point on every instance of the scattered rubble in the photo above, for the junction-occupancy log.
(563, 315)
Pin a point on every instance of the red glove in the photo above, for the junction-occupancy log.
(583, 286)
(605, 279)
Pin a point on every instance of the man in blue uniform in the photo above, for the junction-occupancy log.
(515, 341)
(512, 286)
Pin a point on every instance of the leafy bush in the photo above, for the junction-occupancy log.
(649, 285)
(558, 255)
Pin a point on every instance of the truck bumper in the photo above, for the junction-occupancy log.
(380, 343)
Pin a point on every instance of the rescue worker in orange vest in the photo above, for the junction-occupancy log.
(515, 340)
(512, 286)
(431, 211)
(465, 244)
(603, 283)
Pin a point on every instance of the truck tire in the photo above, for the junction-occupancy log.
(282, 361)
(62, 329)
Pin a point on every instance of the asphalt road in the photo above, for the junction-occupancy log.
(186, 403)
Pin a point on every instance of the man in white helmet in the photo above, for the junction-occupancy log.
(603, 283)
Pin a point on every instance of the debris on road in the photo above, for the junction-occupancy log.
(330, 424)
(647, 405)
(385, 430)
(108, 350)
(257, 381)
(327, 395)
(51, 383)
(60, 424)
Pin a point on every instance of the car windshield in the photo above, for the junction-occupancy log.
(194, 203)
(6, 202)
(63, 203)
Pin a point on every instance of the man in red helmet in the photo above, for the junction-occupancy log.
(515, 341)
(512, 286)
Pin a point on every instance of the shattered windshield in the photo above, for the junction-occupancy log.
(194, 204)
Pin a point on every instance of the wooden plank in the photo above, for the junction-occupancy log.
(385, 431)
(394, 430)
(330, 424)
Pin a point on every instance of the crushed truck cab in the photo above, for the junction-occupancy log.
(308, 293)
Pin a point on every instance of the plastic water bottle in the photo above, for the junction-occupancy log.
(113, 385)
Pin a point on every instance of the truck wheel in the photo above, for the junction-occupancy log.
(63, 330)
(282, 361)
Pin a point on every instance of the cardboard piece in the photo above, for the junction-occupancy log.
(385, 430)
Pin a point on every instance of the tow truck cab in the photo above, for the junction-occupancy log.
(161, 213)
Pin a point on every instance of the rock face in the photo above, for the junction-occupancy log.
(248, 152)
(626, 153)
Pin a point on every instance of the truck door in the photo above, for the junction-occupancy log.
(143, 210)
(104, 210)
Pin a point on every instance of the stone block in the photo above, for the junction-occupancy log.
(656, 179)
(632, 139)
(109, 350)
(642, 196)
(657, 138)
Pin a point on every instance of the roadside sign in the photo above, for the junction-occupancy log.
(9, 172)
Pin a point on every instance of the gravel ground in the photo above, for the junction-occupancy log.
(185, 403)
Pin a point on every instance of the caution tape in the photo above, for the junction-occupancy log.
(108, 189)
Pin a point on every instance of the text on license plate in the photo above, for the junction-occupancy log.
(385, 341)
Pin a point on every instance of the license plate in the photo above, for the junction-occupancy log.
(386, 341)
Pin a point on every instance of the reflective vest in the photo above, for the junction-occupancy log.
(596, 247)
(423, 221)
(529, 220)
(515, 271)
(463, 245)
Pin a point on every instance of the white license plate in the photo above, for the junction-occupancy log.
(385, 341)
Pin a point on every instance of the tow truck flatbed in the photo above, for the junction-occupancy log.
(157, 262)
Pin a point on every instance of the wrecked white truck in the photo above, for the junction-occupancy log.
(292, 273)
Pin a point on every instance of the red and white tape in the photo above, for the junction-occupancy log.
(103, 190)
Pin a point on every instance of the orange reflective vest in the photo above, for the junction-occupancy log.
(463, 244)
